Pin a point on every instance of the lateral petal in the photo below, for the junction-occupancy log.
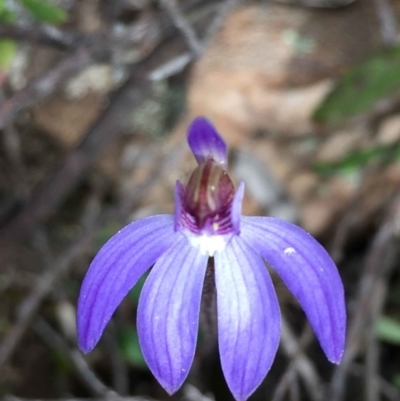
(116, 269)
(168, 313)
(205, 142)
(248, 317)
(236, 209)
(309, 273)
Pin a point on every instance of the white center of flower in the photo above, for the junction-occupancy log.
(208, 244)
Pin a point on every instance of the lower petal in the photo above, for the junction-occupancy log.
(308, 272)
(116, 269)
(168, 313)
(248, 317)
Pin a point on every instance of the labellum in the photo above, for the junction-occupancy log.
(208, 192)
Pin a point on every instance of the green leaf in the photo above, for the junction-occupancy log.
(388, 329)
(361, 87)
(359, 158)
(8, 16)
(44, 11)
(349, 163)
(5, 14)
(129, 345)
(7, 51)
(396, 380)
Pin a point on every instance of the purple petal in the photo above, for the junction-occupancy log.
(309, 273)
(205, 142)
(248, 317)
(116, 269)
(179, 189)
(168, 313)
(236, 209)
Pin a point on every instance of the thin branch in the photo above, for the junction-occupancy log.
(387, 21)
(45, 284)
(120, 370)
(285, 383)
(113, 397)
(99, 136)
(191, 393)
(12, 147)
(388, 389)
(372, 387)
(45, 85)
(294, 388)
(371, 383)
(112, 10)
(40, 242)
(49, 278)
(41, 34)
(102, 133)
(171, 67)
(87, 376)
(222, 12)
(299, 363)
(183, 25)
(381, 259)
(30, 304)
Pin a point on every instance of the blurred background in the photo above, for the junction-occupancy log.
(95, 100)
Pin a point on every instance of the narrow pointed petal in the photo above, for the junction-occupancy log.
(236, 209)
(116, 269)
(205, 142)
(248, 317)
(178, 193)
(308, 272)
(168, 313)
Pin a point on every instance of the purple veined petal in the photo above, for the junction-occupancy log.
(178, 203)
(116, 269)
(308, 272)
(236, 209)
(248, 317)
(168, 313)
(205, 142)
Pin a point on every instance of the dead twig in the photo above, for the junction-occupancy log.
(40, 242)
(31, 303)
(183, 25)
(120, 370)
(372, 385)
(380, 261)
(216, 23)
(45, 283)
(45, 85)
(388, 389)
(12, 146)
(91, 222)
(172, 67)
(197, 47)
(387, 21)
(191, 393)
(294, 388)
(87, 376)
(113, 397)
(300, 364)
(45, 202)
(41, 34)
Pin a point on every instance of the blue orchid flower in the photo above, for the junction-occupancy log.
(207, 223)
